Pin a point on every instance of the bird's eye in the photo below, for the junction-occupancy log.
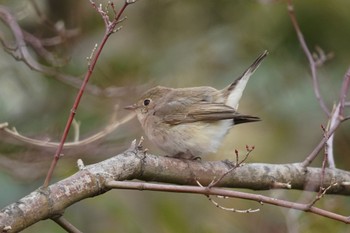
(146, 102)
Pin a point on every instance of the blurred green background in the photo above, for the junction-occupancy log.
(177, 44)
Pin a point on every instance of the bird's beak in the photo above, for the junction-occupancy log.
(131, 107)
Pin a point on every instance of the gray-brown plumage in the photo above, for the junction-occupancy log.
(191, 122)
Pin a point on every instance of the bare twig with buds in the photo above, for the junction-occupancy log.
(321, 194)
(223, 207)
(234, 166)
(215, 182)
(110, 26)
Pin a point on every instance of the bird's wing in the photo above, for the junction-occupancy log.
(205, 112)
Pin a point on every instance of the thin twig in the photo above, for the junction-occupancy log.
(227, 193)
(43, 18)
(321, 194)
(225, 208)
(313, 64)
(236, 165)
(322, 190)
(65, 224)
(215, 182)
(308, 160)
(244, 211)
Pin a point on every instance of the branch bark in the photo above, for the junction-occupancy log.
(93, 180)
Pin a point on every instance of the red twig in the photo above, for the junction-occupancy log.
(110, 26)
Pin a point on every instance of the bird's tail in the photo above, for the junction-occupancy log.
(235, 90)
(240, 119)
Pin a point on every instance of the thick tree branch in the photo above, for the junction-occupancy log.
(92, 180)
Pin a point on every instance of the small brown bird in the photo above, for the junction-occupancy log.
(191, 122)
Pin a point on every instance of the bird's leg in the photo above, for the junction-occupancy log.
(186, 156)
(229, 164)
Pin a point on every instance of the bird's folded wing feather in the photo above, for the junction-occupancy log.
(205, 112)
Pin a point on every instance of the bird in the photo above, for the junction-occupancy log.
(191, 122)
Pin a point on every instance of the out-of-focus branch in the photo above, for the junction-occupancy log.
(308, 54)
(39, 45)
(96, 179)
(47, 144)
(343, 93)
(20, 52)
(334, 120)
(337, 115)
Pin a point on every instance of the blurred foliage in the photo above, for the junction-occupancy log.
(178, 44)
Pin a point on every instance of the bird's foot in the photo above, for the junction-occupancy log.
(185, 156)
(229, 164)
